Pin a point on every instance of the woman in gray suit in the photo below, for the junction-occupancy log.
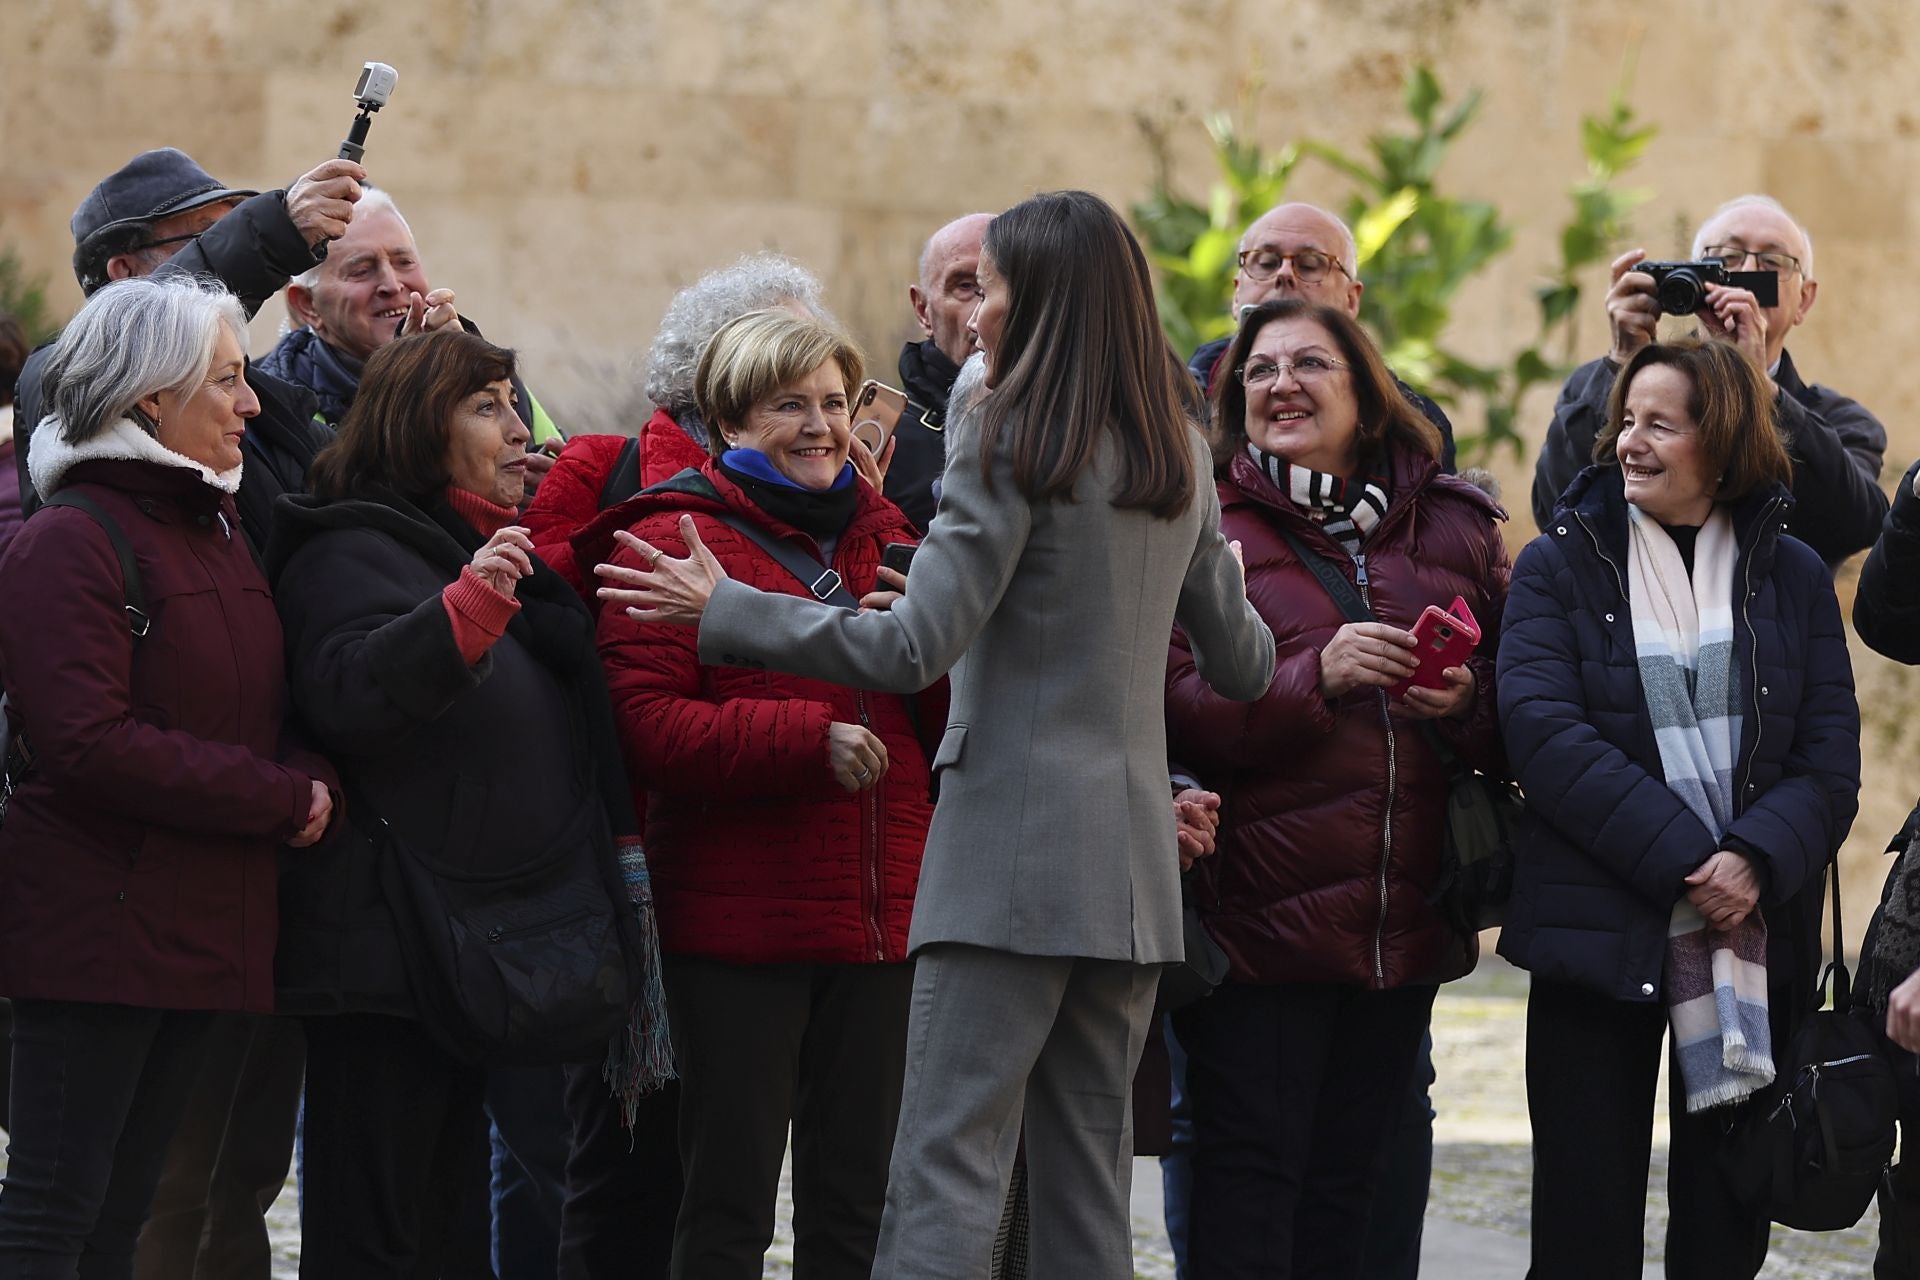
(1076, 522)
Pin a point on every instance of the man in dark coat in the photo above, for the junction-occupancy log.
(943, 300)
(1837, 446)
(1303, 251)
(161, 212)
(371, 289)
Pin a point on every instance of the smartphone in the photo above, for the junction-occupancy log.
(898, 556)
(1442, 638)
(876, 411)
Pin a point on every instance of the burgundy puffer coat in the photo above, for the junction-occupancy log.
(137, 859)
(1330, 840)
(757, 854)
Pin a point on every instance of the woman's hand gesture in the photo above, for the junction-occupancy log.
(1456, 700)
(1365, 653)
(505, 559)
(1724, 889)
(1903, 1014)
(855, 755)
(319, 814)
(667, 590)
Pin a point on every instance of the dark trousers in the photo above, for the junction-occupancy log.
(392, 1123)
(528, 1150)
(97, 1091)
(1406, 1171)
(1295, 1088)
(1593, 1064)
(229, 1156)
(1898, 1257)
(623, 1185)
(759, 1047)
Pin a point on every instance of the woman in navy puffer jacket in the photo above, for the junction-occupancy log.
(1608, 846)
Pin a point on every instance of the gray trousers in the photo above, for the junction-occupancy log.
(994, 1039)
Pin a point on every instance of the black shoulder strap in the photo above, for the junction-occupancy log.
(132, 587)
(824, 583)
(1842, 981)
(624, 481)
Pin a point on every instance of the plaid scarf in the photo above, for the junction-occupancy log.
(1716, 983)
(1345, 510)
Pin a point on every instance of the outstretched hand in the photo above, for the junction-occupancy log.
(666, 590)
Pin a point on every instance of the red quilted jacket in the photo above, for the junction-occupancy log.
(1329, 845)
(757, 855)
(568, 500)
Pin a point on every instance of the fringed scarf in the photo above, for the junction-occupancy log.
(1716, 983)
(640, 1059)
(1345, 510)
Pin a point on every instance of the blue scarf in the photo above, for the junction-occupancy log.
(819, 513)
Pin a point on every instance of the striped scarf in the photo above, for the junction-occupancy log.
(1716, 983)
(1345, 510)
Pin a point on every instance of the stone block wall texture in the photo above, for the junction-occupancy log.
(568, 164)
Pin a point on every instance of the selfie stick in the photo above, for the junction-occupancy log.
(376, 86)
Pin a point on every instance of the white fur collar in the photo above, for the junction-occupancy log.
(52, 457)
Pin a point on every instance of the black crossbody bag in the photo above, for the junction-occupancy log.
(1482, 813)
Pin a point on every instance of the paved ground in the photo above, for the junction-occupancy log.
(1477, 1220)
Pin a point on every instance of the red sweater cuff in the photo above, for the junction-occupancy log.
(479, 614)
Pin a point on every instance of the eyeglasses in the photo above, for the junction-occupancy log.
(189, 238)
(1310, 266)
(1734, 258)
(1304, 370)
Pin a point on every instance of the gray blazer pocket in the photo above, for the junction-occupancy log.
(953, 745)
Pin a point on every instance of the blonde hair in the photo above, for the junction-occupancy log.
(754, 355)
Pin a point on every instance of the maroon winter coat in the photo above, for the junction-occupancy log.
(1329, 845)
(137, 857)
(757, 854)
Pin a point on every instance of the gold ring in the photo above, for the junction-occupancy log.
(655, 562)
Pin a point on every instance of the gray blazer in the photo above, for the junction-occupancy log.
(1054, 832)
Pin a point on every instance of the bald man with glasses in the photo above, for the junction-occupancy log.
(1301, 251)
(1837, 446)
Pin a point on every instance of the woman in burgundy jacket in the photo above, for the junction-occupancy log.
(1329, 847)
(785, 820)
(137, 872)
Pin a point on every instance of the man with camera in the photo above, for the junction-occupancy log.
(943, 299)
(162, 212)
(371, 289)
(1750, 282)
(1302, 251)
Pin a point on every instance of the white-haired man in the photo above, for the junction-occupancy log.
(1299, 250)
(371, 289)
(1837, 446)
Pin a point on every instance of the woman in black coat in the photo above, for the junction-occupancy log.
(1690, 472)
(1886, 613)
(478, 915)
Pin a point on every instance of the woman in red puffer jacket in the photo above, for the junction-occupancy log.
(1329, 849)
(785, 819)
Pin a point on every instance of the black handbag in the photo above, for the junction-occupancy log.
(1476, 870)
(1204, 968)
(1810, 1150)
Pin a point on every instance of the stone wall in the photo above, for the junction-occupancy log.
(567, 164)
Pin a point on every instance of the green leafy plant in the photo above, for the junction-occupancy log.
(25, 300)
(1417, 245)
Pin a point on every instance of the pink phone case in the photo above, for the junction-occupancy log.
(1445, 638)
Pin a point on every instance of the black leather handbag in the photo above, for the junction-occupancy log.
(1811, 1149)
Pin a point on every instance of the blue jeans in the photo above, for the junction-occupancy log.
(1176, 1167)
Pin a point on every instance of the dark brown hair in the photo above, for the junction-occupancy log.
(1081, 357)
(13, 357)
(1385, 412)
(397, 432)
(1730, 404)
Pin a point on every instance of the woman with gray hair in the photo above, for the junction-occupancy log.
(595, 472)
(148, 787)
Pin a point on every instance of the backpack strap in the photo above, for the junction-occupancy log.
(821, 581)
(138, 619)
(624, 480)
